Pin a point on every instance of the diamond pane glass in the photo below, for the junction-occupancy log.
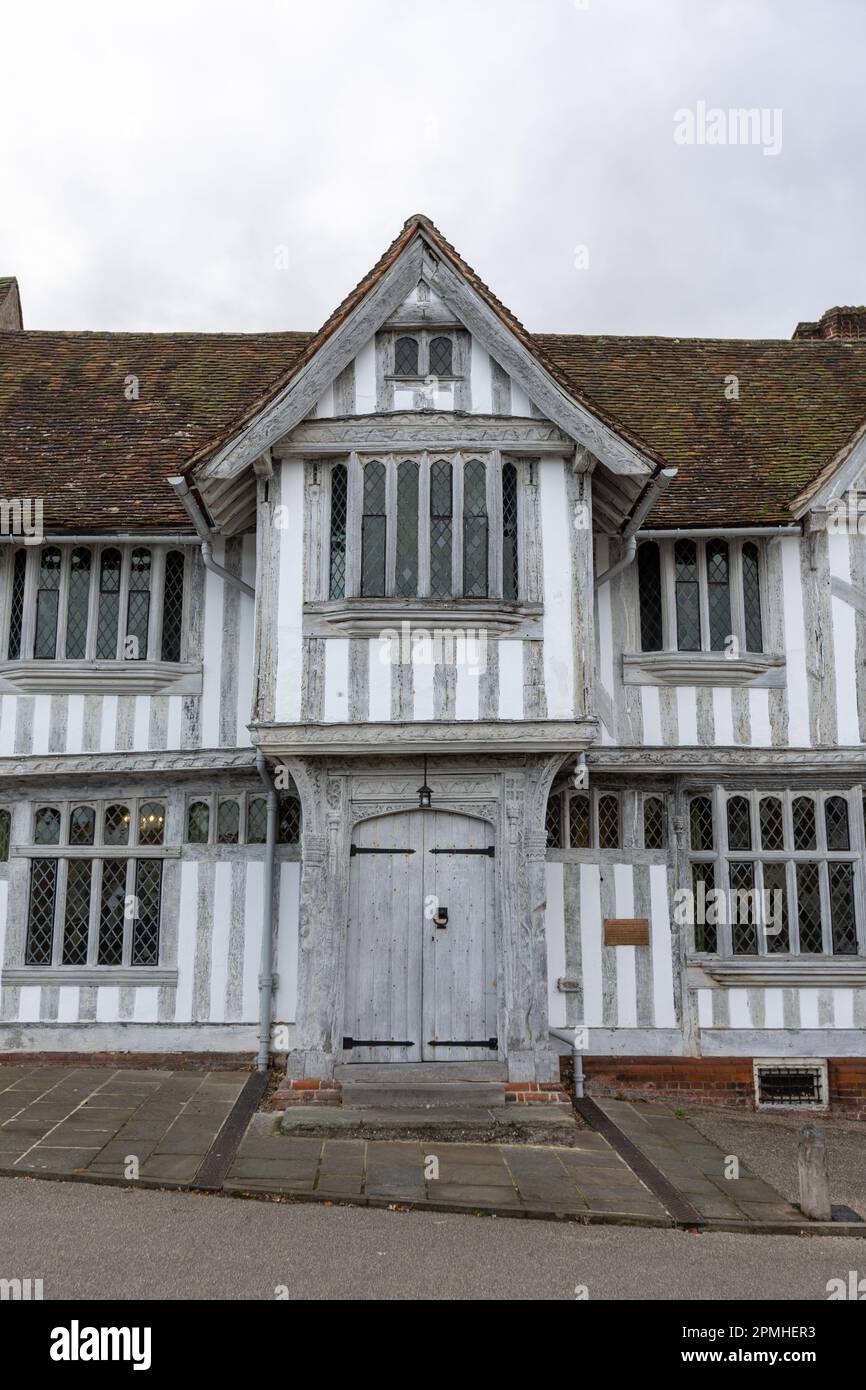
(151, 823)
(46, 826)
(654, 823)
(704, 883)
(843, 922)
(406, 577)
(82, 825)
(701, 822)
(40, 913)
(608, 822)
(553, 822)
(772, 824)
(5, 834)
(579, 823)
(374, 532)
(836, 819)
(804, 822)
(112, 912)
(441, 357)
(16, 607)
(115, 826)
(228, 823)
(744, 936)
(739, 823)
(47, 599)
(109, 605)
(687, 596)
(718, 594)
(76, 917)
(509, 532)
(441, 514)
(649, 577)
(776, 909)
(145, 926)
(339, 515)
(752, 598)
(289, 824)
(78, 603)
(198, 823)
(809, 909)
(257, 820)
(406, 357)
(172, 606)
(475, 529)
(138, 606)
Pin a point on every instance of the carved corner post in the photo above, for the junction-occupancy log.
(679, 877)
(318, 931)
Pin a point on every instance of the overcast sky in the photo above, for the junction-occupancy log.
(156, 158)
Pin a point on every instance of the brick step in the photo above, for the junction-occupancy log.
(421, 1095)
(388, 1073)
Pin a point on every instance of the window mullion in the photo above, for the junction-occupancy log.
(157, 593)
(128, 919)
(703, 594)
(390, 524)
(123, 602)
(93, 603)
(724, 936)
(670, 639)
(354, 519)
(59, 910)
(457, 526)
(95, 902)
(735, 589)
(424, 527)
(494, 524)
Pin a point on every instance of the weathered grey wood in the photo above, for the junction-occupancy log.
(813, 1174)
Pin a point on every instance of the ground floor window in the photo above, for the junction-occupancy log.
(583, 820)
(776, 872)
(96, 884)
(241, 820)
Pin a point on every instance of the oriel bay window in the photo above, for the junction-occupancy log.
(102, 603)
(777, 873)
(95, 894)
(698, 594)
(426, 526)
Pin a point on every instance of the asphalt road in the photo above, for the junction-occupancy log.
(89, 1242)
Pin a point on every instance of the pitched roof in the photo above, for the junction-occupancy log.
(68, 433)
(10, 303)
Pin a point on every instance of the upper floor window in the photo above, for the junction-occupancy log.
(96, 603)
(96, 884)
(426, 527)
(424, 354)
(777, 873)
(700, 595)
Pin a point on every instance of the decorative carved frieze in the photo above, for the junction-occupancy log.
(424, 430)
(506, 736)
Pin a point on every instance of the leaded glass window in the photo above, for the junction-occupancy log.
(441, 528)
(40, 912)
(718, 594)
(145, 922)
(46, 826)
(744, 936)
(5, 833)
(704, 883)
(687, 596)
(115, 826)
(339, 514)
(752, 598)
(654, 823)
(406, 357)
(772, 826)
(151, 823)
(109, 604)
(78, 603)
(257, 820)
(138, 606)
(650, 597)
(441, 357)
(842, 917)
(809, 909)
(608, 822)
(112, 912)
(776, 927)
(836, 816)
(289, 820)
(76, 923)
(406, 575)
(510, 573)
(739, 823)
(701, 823)
(172, 606)
(228, 822)
(16, 607)
(198, 823)
(82, 825)
(805, 829)
(475, 529)
(47, 600)
(579, 821)
(553, 822)
(374, 531)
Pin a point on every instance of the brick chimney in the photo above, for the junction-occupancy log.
(10, 304)
(845, 323)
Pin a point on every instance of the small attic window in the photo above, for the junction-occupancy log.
(406, 357)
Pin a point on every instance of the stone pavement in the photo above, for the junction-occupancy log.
(696, 1167)
(90, 1121)
(584, 1179)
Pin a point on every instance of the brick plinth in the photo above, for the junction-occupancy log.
(536, 1093)
(306, 1092)
(724, 1081)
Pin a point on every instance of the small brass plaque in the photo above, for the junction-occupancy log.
(626, 931)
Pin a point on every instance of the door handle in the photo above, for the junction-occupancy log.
(441, 918)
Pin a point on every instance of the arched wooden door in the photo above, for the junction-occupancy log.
(421, 951)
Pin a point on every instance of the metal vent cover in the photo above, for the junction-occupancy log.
(785, 1084)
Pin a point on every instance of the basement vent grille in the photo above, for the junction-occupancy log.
(783, 1086)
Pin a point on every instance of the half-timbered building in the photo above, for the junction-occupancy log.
(426, 690)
